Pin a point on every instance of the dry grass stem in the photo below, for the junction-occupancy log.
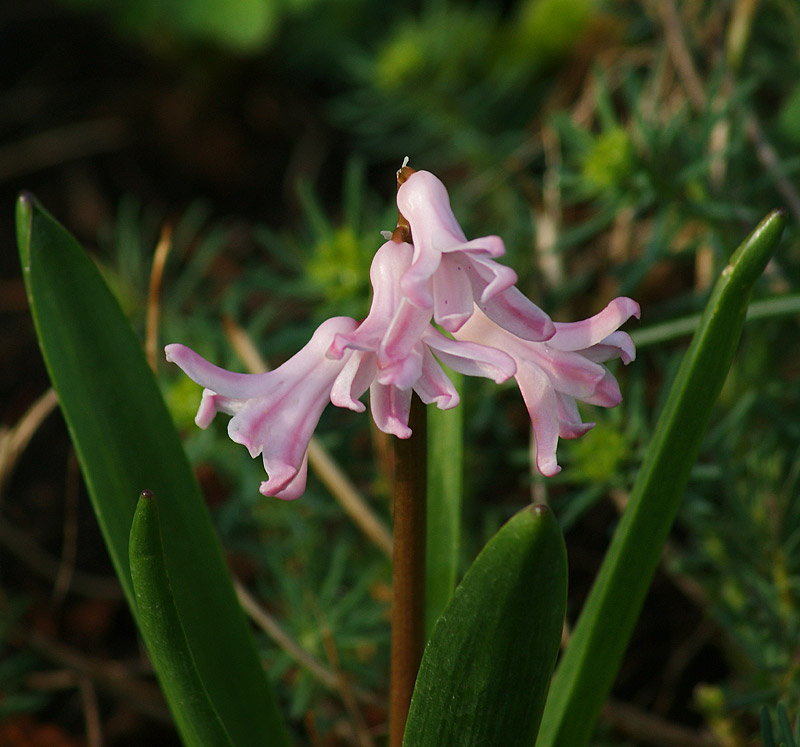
(60, 145)
(41, 562)
(69, 548)
(653, 730)
(361, 732)
(14, 440)
(156, 273)
(284, 641)
(111, 676)
(91, 712)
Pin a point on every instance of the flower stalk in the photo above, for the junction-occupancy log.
(408, 569)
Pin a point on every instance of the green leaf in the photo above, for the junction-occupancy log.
(445, 487)
(126, 443)
(161, 628)
(486, 669)
(787, 736)
(593, 655)
(767, 738)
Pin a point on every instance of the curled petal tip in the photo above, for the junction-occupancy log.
(289, 494)
(207, 409)
(172, 351)
(548, 467)
(285, 481)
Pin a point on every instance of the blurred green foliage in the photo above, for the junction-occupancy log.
(238, 25)
(574, 130)
(782, 735)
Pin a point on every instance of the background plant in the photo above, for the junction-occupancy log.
(611, 162)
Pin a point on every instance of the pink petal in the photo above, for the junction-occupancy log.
(607, 393)
(434, 385)
(570, 424)
(540, 400)
(515, 313)
(245, 386)
(211, 403)
(584, 334)
(354, 380)
(616, 345)
(403, 372)
(470, 358)
(293, 489)
(424, 202)
(403, 331)
(491, 246)
(452, 293)
(416, 281)
(390, 407)
(231, 385)
(571, 373)
(274, 414)
(388, 265)
(487, 276)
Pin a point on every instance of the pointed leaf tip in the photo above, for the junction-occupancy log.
(750, 259)
(24, 228)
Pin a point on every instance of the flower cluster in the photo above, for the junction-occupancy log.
(439, 278)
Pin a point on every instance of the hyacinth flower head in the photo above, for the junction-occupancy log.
(449, 274)
(394, 351)
(554, 374)
(274, 413)
(426, 274)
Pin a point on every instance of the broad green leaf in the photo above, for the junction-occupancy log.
(126, 443)
(445, 486)
(486, 669)
(161, 628)
(588, 668)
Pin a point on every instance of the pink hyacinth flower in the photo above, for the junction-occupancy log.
(395, 351)
(274, 413)
(553, 375)
(448, 273)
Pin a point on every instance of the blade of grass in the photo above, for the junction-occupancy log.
(765, 308)
(589, 666)
(445, 487)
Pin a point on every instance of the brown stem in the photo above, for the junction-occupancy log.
(408, 574)
(403, 231)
